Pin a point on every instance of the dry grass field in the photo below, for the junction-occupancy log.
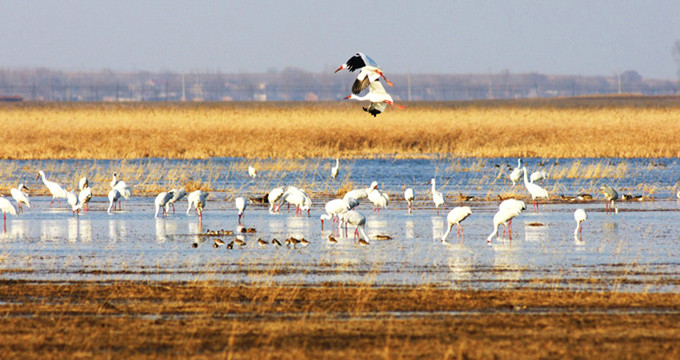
(584, 127)
(205, 320)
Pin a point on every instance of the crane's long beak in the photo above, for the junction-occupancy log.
(400, 107)
(345, 98)
(340, 68)
(387, 81)
(37, 177)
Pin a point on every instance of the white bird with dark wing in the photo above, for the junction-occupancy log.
(177, 194)
(20, 197)
(611, 196)
(378, 97)
(85, 194)
(369, 71)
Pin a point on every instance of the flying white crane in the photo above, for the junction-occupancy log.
(455, 217)
(369, 71)
(20, 196)
(335, 169)
(241, 205)
(6, 207)
(378, 97)
(55, 189)
(437, 197)
(536, 191)
(161, 201)
(580, 216)
(409, 196)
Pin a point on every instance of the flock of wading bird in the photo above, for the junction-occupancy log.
(338, 210)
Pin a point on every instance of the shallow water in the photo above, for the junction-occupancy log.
(634, 250)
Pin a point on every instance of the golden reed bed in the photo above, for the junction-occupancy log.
(584, 127)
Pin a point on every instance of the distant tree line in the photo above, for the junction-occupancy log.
(292, 84)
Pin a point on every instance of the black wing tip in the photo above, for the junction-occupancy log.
(373, 112)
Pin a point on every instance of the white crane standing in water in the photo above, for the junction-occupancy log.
(409, 196)
(437, 197)
(611, 196)
(6, 207)
(55, 189)
(20, 196)
(580, 216)
(335, 169)
(455, 217)
(536, 191)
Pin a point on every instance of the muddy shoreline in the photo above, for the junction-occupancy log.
(123, 319)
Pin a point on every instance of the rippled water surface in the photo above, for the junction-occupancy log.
(634, 250)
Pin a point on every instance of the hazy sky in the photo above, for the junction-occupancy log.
(553, 37)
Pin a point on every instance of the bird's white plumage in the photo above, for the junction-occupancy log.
(55, 189)
(6, 206)
(378, 198)
(538, 175)
(20, 196)
(241, 204)
(161, 201)
(252, 172)
(536, 191)
(409, 196)
(196, 200)
(360, 194)
(73, 200)
(437, 197)
(502, 217)
(516, 173)
(335, 169)
(273, 198)
(114, 195)
(455, 217)
(356, 219)
(580, 216)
